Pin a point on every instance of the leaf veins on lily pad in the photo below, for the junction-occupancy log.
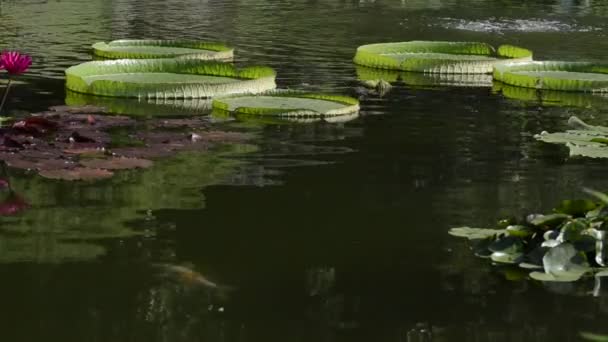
(117, 163)
(79, 173)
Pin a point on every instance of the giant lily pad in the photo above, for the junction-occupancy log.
(371, 76)
(438, 57)
(146, 48)
(553, 75)
(288, 104)
(166, 78)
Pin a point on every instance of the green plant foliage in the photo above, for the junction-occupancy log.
(584, 141)
(594, 337)
(167, 78)
(553, 75)
(438, 57)
(566, 247)
(145, 49)
(288, 104)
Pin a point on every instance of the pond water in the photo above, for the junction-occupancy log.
(325, 231)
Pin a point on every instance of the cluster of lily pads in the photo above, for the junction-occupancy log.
(427, 63)
(561, 246)
(162, 70)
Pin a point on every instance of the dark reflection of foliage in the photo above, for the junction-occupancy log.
(63, 215)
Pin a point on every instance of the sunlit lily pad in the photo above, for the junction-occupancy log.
(292, 104)
(542, 276)
(474, 233)
(147, 48)
(166, 78)
(438, 57)
(594, 337)
(553, 75)
(371, 76)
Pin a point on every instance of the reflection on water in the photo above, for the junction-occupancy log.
(349, 243)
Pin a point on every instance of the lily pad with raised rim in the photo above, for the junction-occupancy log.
(146, 48)
(439, 57)
(370, 76)
(554, 75)
(164, 78)
(288, 104)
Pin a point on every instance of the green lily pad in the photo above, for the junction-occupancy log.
(564, 260)
(474, 233)
(542, 276)
(594, 337)
(519, 231)
(506, 258)
(146, 48)
(575, 207)
(550, 221)
(438, 57)
(166, 78)
(371, 76)
(292, 104)
(553, 75)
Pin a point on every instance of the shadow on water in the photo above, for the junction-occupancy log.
(323, 231)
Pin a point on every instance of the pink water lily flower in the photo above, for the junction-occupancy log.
(14, 62)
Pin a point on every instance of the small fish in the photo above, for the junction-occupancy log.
(191, 276)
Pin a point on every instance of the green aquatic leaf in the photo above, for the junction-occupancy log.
(594, 337)
(146, 48)
(597, 194)
(519, 231)
(554, 75)
(575, 207)
(474, 233)
(438, 56)
(167, 78)
(564, 277)
(550, 221)
(565, 261)
(294, 104)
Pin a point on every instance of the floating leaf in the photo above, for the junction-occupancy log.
(506, 258)
(519, 231)
(294, 104)
(147, 48)
(437, 56)
(575, 207)
(550, 221)
(542, 276)
(167, 78)
(79, 173)
(599, 195)
(594, 337)
(554, 75)
(565, 260)
(474, 233)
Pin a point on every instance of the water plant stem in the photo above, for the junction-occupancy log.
(8, 86)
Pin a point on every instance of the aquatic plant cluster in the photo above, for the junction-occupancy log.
(561, 246)
(161, 69)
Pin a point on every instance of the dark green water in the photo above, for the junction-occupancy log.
(324, 232)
